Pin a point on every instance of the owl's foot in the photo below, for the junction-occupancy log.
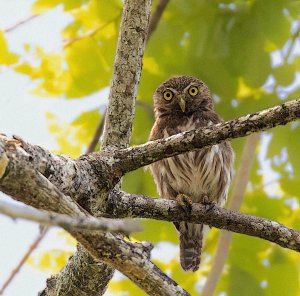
(209, 204)
(185, 202)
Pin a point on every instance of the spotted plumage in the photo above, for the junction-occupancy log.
(180, 104)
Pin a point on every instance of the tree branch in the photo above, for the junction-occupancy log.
(23, 183)
(80, 223)
(23, 260)
(154, 21)
(156, 16)
(132, 158)
(21, 22)
(128, 66)
(123, 204)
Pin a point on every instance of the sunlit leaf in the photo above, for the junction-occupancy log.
(6, 57)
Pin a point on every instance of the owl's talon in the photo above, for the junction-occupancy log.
(185, 202)
(209, 204)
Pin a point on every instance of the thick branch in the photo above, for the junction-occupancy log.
(135, 157)
(130, 205)
(65, 221)
(128, 66)
(73, 178)
(23, 183)
(154, 21)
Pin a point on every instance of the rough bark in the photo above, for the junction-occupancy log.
(131, 205)
(77, 278)
(37, 163)
(25, 184)
(135, 157)
(154, 21)
(128, 62)
(128, 66)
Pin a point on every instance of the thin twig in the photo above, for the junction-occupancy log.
(154, 21)
(68, 222)
(156, 16)
(21, 22)
(238, 193)
(97, 135)
(23, 260)
(90, 33)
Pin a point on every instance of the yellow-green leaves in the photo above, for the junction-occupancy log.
(6, 57)
(87, 68)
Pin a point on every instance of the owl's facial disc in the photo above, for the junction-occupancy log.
(181, 101)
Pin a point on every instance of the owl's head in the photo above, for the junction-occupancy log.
(182, 95)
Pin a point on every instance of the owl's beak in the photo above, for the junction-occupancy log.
(181, 102)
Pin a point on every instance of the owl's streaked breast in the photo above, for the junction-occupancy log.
(198, 174)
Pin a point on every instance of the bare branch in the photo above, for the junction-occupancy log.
(23, 260)
(91, 33)
(80, 223)
(154, 20)
(21, 22)
(238, 193)
(156, 16)
(128, 66)
(134, 157)
(97, 134)
(123, 204)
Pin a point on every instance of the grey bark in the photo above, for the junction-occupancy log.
(123, 204)
(128, 66)
(23, 176)
(25, 184)
(132, 158)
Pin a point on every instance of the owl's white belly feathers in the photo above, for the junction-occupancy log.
(199, 174)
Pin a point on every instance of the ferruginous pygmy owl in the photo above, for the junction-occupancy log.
(202, 176)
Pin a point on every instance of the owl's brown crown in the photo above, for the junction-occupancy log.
(181, 95)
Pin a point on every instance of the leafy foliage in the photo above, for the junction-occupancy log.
(243, 49)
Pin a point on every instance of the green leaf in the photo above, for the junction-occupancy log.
(282, 275)
(87, 67)
(284, 74)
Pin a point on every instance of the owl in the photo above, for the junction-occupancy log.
(181, 104)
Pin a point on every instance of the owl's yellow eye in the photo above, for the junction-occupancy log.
(168, 95)
(193, 91)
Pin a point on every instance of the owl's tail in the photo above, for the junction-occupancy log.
(190, 237)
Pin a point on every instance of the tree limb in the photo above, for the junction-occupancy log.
(123, 204)
(82, 274)
(132, 158)
(23, 183)
(126, 77)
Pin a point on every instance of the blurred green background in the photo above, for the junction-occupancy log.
(248, 53)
